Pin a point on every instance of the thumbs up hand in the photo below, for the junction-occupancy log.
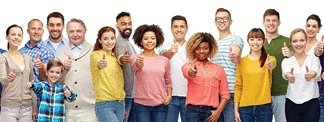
(290, 76)
(140, 60)
(11, 76)
(103, 62)
(320, 45)
(67, 92)
(308, 75)
(38, 63)
(174, 47)
(125, 58)
(29, 84)
(233, 57)
(285, 51)
(269, 63)
(193, 71)
(67, 63)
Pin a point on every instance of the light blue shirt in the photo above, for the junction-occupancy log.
(60, 47)
(76, 49)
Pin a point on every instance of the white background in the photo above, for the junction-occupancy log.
(200, 14)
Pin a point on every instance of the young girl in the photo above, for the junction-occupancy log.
(301, 71)
(107, 78)
(52, 108)
(252, 98)
(153, 87)
(206, 80)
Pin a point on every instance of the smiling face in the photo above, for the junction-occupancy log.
(124, 26)
(312, 28)
(76, 33)
(55, 27)
(108, 41)
(271, 23)
(54, 74)
(202, 52)
(149, 40)
(222, 25)
(14, 37)
(179, 29)
(298, 42)
(35, 31)
(256, 44)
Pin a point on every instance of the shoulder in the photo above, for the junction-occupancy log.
(97, 52)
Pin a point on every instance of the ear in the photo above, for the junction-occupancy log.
(279, 23)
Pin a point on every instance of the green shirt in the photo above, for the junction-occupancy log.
(279, 85)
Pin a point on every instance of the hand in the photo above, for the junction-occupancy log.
(29, 84)
(125, 114)
(285, 50)
(140, 60)
(269, 63)
(67, 92)
(103, 62)
(290, 76)
(233, 57)
(12, 75)
(38, 63)
(67, 63)
(125, 58)
(167, 100)
(34, 116)
(174, 47)
(323, 75)
(214, 116)
(237, 117)
(308, 75)
(193, 71)
(320, 44)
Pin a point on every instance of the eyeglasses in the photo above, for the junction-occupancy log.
(219, 19)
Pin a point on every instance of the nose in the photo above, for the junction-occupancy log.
(178, 29)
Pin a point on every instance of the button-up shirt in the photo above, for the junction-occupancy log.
(76, 49)
(60, 47)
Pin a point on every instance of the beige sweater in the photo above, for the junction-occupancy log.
(14, 93)
(78, 78)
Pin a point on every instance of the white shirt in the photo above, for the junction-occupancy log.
(179, 83)
(301, 91)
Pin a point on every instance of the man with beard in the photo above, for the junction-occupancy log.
(55, 26)
(124, 49)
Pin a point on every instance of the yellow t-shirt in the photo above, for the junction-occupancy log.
(253, 83)
(108, 82)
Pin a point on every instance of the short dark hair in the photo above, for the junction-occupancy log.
(139, 33)
(316, 18)
(54, 63)
(55, 15)
(223, 10)
(179, 17)
(271, 12)
(121, 14)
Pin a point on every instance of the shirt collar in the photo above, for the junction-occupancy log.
(64, 40)
(39, 44)
(78, 47)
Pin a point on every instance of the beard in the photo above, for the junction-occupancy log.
(124, 35)
(56, 38)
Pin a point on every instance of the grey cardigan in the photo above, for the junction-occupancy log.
(129, 74)
(14, 93)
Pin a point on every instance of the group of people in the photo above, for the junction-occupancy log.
(202, 79)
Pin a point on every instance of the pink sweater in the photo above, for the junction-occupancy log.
(152, 80)
(207, 85)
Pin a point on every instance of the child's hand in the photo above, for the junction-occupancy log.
(67, 92)
(29, 84)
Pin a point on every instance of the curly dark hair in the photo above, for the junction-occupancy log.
(139, 33)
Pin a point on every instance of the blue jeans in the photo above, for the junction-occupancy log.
(129, 107)
(305, 112)
(256, 113)
(227, 114)
(278, 108)
(110, 111)
(150, 113)
(321, 102)
(197, 113)
(177, 104)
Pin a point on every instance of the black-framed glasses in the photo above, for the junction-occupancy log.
(219, 19)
